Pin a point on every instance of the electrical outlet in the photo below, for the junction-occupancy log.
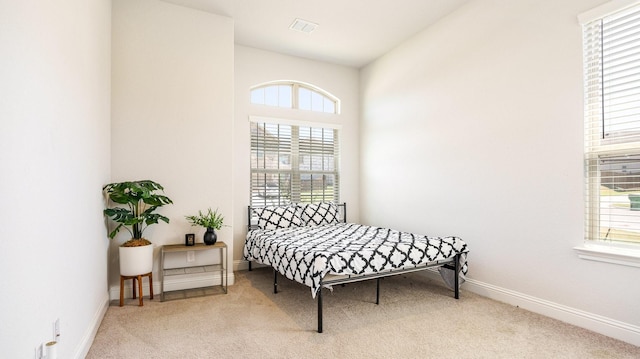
(191, 256)
(56, 330)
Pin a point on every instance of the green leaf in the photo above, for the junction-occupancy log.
(136, 195)
(211, 219)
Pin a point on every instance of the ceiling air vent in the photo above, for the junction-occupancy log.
(303, 26)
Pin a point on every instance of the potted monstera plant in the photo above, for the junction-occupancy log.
(135, 203)
(211, 220)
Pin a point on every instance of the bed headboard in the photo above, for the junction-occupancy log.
(252, 218)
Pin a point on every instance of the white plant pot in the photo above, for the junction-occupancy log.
(136, 260)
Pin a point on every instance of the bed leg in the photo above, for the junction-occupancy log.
(250, 266)
(275, 282)
(320, 310)
(377, 290)
(457, 277)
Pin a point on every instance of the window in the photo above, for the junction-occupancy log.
(293, 163)
(294, 95)
(612, 126)
(273, 95)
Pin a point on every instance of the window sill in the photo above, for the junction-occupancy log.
(609, 254)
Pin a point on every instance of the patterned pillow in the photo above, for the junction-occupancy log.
(275, 217)
(316, 214)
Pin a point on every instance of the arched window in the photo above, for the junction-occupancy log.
(294, 161)
(295, 95)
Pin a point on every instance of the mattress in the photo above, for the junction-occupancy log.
(306, 254)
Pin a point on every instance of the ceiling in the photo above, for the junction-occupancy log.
(349, 32)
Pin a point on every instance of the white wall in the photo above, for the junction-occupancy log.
(54, 159)
(172, 114)
(476, 122)
(252, 67)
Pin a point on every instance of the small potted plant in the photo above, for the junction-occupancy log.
(135, 204)
(211, 220)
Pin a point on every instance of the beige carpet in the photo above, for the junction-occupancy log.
(417, 318)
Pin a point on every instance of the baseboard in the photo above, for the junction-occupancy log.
(606, 326)
(173, 283)
(244, 265)
(240, 265)
(85, 344)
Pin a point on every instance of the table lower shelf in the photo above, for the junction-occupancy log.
(196, 278)
(171, 272)
(193, 292)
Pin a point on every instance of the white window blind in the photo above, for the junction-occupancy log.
(293, 164)
(612, 126)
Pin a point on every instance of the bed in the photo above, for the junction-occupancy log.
(314, 245)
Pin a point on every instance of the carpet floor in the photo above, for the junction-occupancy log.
(417, 318)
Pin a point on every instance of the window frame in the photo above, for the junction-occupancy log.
(593, 247)
(295, 95)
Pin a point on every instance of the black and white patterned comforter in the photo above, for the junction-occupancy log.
(307, 254)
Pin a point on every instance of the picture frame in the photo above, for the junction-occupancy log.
(190, 239)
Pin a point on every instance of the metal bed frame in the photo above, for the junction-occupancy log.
(452, 263)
